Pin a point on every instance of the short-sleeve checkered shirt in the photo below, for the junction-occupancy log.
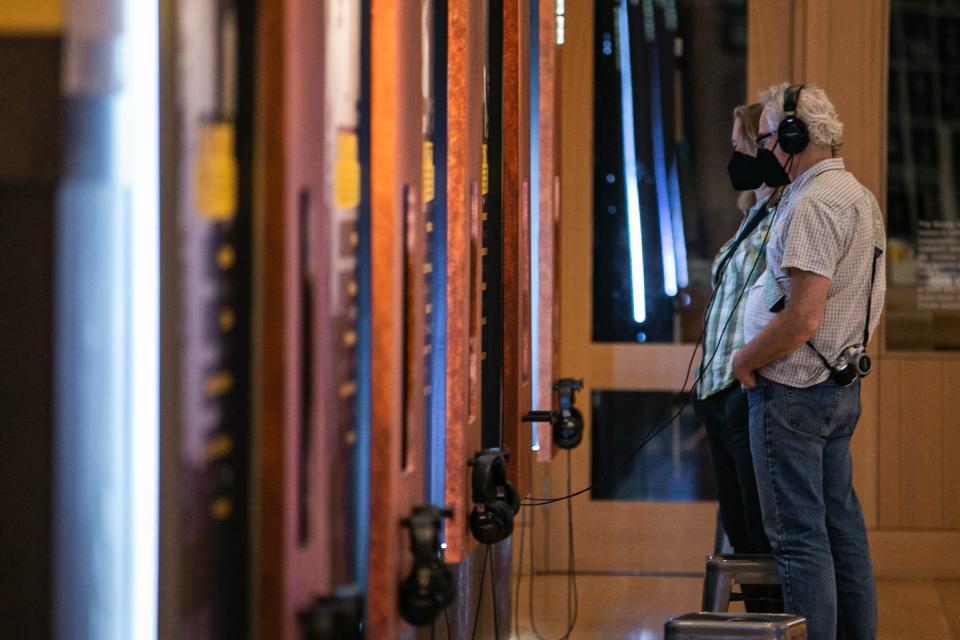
(724, 331)
(827, 223)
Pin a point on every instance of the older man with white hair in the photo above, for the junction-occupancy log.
(809, 317)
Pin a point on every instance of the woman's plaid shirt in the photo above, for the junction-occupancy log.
(737, 280)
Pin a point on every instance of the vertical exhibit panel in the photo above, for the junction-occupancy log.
(315, 320)
(308, 530)
(213, 212)
(465, 155)
(107, 333)
(345, 238)
(517, 346)
(544, 214)
(398, 305)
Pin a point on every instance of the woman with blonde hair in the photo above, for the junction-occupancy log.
(720, 402)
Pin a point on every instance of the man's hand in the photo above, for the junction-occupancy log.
(743, 370)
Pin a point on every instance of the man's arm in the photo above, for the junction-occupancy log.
(788, 330)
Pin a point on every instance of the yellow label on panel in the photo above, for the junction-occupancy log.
(20, 17)
(429, 172)
(484, 171)
(221, 508)
(347, 389)
(219, 447)
(227, 319)
(218, 384)
(216, 172)
(226, 257)
(346, 171)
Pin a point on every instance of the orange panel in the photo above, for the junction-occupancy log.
(398, 303)
(464, 130)
(516, 240)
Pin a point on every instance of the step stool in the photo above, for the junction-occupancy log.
(736, 626)
(725, 570)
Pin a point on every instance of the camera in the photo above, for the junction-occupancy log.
(852, 364)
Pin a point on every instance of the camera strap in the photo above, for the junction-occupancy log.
(877, 252)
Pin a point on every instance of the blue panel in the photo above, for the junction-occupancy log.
(436, 441)
(362, 452)
(535, 213)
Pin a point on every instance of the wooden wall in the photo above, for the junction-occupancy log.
(907, 445)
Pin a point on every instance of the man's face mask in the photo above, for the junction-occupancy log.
(772, 172)
(744, 170)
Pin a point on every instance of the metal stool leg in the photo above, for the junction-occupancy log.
(717, 586)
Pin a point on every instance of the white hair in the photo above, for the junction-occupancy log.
(813, 108)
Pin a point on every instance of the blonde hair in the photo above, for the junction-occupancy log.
(748, 115)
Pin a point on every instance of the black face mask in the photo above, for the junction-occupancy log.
(773, 173)
(744, 170)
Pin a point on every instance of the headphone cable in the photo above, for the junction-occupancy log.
(535, 502)
(573, 596)
(483, 575)
(493, 592)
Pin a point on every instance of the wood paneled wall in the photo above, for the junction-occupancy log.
(919, 452)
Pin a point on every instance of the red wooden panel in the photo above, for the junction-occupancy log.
(271, 232)
(306, 538)
(398, 303)
(464, 132)
(547, 331)
(295, 538)
(516, 239)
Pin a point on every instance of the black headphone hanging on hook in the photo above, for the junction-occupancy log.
(496, 500)
(568, 423)
(429, 588)
(792, 134)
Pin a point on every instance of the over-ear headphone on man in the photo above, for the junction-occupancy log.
(496, 500)
(429, 588)
(792, 134)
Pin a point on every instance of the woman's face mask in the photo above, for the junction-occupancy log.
(744, 172)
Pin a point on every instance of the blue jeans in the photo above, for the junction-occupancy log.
(800, 440)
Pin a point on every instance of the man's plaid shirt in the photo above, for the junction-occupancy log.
(737, 279)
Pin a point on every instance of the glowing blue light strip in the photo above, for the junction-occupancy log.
(630, 168)
(679, 238)
(667, 242)
(141, 124)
